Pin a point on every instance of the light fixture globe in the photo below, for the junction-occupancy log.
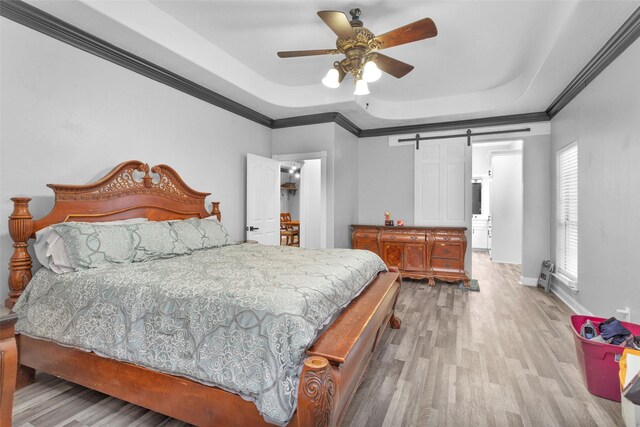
(371, 72)
(331, 79)
(361, 88)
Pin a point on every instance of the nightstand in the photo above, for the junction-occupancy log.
(8, 364)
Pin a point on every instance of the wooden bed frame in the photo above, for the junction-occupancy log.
(330, 375)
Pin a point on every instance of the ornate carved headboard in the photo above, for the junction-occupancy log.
(130, 190)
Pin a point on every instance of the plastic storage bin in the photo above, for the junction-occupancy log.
(598, 361)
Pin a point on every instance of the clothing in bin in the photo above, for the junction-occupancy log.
(611, 331)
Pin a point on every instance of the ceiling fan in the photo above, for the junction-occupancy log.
(360, 48)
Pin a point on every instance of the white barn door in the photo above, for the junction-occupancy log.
(263, 200)
(442, 192)
(443, 183)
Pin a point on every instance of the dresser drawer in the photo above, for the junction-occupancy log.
(402, 237)
(450, 238)
(445, 250)
(443, 264)
(366, 235)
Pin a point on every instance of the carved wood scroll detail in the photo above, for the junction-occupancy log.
(317, 393)
(122, 182)
(125, 181)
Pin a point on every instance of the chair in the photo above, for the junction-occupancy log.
(288, 231)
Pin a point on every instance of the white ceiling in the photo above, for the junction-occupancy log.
(490, 58)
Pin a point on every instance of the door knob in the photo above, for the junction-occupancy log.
(252, 228)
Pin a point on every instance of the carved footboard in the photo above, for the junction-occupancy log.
(316, 393)
(330, 376)
(340, 357)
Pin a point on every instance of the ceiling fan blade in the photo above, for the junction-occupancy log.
(392, 66)
(419, 30)
(295, 53)
(338, 22)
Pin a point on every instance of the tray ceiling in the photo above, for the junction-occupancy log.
(490, 58)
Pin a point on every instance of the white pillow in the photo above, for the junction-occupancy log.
(49, 246)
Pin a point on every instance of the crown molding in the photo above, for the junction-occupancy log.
(347, 125)
(314, 119)
(618, 43)
(311, 119)
(45, 23)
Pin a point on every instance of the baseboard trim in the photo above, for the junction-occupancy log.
(570, 302)
(528, 281)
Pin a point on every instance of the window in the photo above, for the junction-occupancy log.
(567, 212)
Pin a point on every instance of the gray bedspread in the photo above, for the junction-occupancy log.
(239, 317)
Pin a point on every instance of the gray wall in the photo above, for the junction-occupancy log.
(385, 182)
(69, 117)
(536, 204)
(346, 185)
(605, 120)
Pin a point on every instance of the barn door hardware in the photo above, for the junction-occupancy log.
(467, 134)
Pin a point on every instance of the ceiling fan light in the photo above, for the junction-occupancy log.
(371, 72)
(331, 79)
(361, 88)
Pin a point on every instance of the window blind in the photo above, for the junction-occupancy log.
(567, 235)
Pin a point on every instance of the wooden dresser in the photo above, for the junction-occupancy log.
(418, 252)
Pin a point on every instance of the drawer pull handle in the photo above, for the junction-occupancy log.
(414, 238)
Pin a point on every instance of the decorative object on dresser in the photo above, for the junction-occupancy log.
(332, 366)
(418, 252)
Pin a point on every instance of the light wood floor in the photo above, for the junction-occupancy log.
(501, 356)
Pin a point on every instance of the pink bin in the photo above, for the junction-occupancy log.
(598, 361)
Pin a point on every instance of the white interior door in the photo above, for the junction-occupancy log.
(263, 200)
(506, 208)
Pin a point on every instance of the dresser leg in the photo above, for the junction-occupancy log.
(432, 281)
(394, 322)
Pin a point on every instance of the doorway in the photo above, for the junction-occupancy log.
(303, 198)
(497, 201)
